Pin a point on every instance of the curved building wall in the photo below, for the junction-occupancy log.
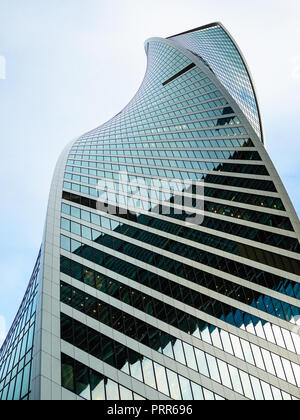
(139, 300)
(17, 350)
(215, 45)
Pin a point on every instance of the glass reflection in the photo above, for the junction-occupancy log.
(186, 390)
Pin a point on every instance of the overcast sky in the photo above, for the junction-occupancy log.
(73, 64)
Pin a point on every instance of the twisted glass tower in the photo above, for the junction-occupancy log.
(132, 298)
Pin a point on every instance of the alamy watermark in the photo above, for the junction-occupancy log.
(182, 199)
(2, 67)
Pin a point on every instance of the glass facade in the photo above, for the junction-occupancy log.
(17, 351)
(219, 52)
(137, 301)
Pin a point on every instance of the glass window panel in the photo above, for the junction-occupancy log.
(65, 243)
(267, 391)
(205, 335)
(197, 392)
(268, 361)
(246, 385)
(259, 330)
(112, 390)
(26, 378)
(75, 246)
(296, 340)
(87, 233)
(277, 394)
(296, 369)
(278, 366)
(148, 372)
(75, 212)
(4, 394)
(65, 208)
(287, 367)
(125, 394)
(288, 340)
(161, 379)
(226, 342)
(269, 333)
(224, 374)
(114, 224)
(178, 352)
(168, 350)
(65, 224)
(278, 336)
(286, 396)
(201, 361)
(85, 215)
(235, 378)
(126, 369)
(23, 349)
(213, 368)
(257, 356)
(75, 228)
(96, 235)
(136, 370)
(197, 333)
(257, 388)
(105, 223)
(18, 386)
(174, 385)
(208, 395)
(247, 352)
(190, 356)
(236, 344)
(11, 390)
(250, 328)
(95, 219)
(67, 373)
(82, 381)
(186, 390)
(216, 339)
(97, 386)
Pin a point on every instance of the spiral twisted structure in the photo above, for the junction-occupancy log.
(132, 298)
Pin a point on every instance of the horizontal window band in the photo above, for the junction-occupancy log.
(163, 118)
(118, 356)
(157, 236)
(91, 385)
(239, 180)
(254, 334)
(265, 279)
(273, 218)
(141, 331)
(203, 106)
(266, 237)
(191, 155)
(181, 293)
(206, 280)
(214, 191)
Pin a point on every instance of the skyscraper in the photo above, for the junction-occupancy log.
(132, 297)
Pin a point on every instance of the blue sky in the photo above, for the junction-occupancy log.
(73, 64)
